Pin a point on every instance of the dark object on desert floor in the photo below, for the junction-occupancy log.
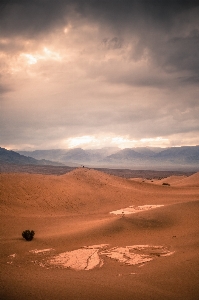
(28, 235)
(165, 183)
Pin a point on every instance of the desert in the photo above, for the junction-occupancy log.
(83, 251)
(99, 150)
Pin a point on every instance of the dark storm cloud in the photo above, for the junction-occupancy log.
(29, 18)
(167, 31)
(81, 67)
(39, 15)
(178, 54)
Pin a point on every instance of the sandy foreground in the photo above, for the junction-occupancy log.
(83, 251)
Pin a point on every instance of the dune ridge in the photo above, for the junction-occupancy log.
(181, 181)
(80, 191)
(72, 211)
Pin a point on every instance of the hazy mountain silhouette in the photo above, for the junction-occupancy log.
(12, 157)
(140, 157)
(77, 155)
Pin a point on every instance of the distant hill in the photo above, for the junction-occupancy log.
(127, 154)
(140, 158)
(12, 157)
(73, 157)
(170, 158)
(184, 154)
(149, 151)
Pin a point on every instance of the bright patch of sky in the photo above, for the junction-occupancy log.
(89, 142)
(93, 74)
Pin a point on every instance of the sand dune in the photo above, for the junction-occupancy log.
(192, 181)
(71, 218)
(173, 180)
(80, 191)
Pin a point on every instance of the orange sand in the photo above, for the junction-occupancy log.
(72, 211)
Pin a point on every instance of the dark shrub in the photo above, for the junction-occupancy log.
(165, 183)
(28, 235)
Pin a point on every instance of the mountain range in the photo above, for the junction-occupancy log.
(12, 157)
(139, 158)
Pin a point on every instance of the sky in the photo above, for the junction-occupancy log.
(93, 74)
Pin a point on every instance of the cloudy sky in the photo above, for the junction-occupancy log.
(92, 74)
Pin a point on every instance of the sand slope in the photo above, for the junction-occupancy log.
(171, 179)
(191, 181)
(81, 191)
(71, 211)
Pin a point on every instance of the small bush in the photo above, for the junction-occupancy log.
(28, 235)
(165, 183)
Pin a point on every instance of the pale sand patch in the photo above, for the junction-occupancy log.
(128, 255)
(85, 258)
(134, 209)
(123, 255)
(96, 246)
(41, 251)
(88, 258)
(11, 256)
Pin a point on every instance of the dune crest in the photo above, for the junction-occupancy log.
(70, 211)
(190, 181)
(134, 209)
(81, 191)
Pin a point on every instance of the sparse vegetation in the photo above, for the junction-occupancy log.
(28, 235)
(165, 183)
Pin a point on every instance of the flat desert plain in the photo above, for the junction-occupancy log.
(83, 249)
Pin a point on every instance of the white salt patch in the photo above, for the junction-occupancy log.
(41, 251)
(85, 258)
(144, 247)
(168, 254)
(12, 255)
(134, 209)
(96, 246)
(123, 254)
(41, 265)
(128, 255)
(89, 257)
